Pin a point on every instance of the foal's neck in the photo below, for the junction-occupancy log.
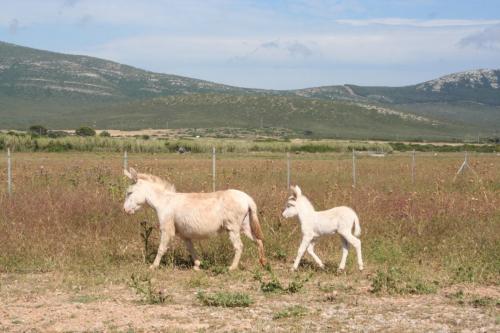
(305, 208)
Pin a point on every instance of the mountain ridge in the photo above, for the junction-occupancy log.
(38, 86)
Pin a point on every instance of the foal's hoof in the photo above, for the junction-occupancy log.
(196, 268)
(153, 267)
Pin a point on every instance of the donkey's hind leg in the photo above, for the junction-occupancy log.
(234, 236)
(356, 243)
(345, 251)
(192, 253)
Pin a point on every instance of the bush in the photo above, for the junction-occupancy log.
(105, 134)
(57, 134)
(85, 131)
(37, 130)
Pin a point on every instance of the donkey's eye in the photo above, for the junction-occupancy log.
(129, 193)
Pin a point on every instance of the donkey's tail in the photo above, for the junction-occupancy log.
(256, 230)
(357, 227)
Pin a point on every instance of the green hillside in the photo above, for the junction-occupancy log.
(66, 91)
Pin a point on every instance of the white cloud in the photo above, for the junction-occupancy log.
(488, 39)
(435, 23)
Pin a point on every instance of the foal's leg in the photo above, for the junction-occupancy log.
(356, 243)
(167, 233)
(310, 250)
(302, 248)
(234, 236)
(345, 251)
(192, 253)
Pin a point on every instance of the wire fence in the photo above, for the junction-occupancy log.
(292, 170)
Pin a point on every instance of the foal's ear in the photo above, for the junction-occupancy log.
(297, 192)
(132, 174)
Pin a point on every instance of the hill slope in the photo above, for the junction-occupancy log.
(65, 91)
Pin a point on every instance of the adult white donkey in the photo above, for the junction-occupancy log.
(195, 215)
(316, 224)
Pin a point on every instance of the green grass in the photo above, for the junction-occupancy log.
(293, 311)
(396, 281)
(224, 299)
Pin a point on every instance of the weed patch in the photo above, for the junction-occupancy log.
(272, 284)
(144, 288)
(394, 281)
(290, 312)
(224, 299)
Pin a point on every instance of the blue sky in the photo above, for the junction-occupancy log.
(268, 44)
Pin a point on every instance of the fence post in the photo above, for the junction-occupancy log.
(213, 169)
(413, 167)
(287, 170)
(9, 173)
(125, 160)
(353, 168)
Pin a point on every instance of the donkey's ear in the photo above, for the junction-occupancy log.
(132, 174)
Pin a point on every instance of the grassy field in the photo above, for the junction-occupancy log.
(71, 260)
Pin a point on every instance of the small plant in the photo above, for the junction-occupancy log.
(273, 285)
(144, 288)
(218, 270)
(291, 311)
(459, 297)
(145, 234)
(464, 274)
(479, 302)
(224, 299)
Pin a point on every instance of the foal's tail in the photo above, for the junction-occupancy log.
(256, 230)
(357, 227)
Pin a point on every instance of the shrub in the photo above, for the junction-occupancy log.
(37, 130)
(85, 131)
(105, 134)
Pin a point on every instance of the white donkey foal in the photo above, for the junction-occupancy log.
(316, 224)
(195, 215)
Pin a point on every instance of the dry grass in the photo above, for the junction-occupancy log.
(65, 218)
(66, 215)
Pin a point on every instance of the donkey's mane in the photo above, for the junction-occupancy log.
(167, 186)
(307, 201)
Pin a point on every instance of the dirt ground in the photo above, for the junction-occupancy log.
(51, 302)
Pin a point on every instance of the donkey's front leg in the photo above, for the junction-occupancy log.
(167, 233)
(302, 248)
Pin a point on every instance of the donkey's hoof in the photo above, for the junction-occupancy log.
(231, 268)
(196, 268)
(153, 267)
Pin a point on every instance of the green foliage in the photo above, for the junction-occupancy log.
(38, 130)
(272, 284)
(85, 131)
(401, 146)
(395, 281)
(290, 312)
(224, 299)
(132, 145)
(104, 134)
